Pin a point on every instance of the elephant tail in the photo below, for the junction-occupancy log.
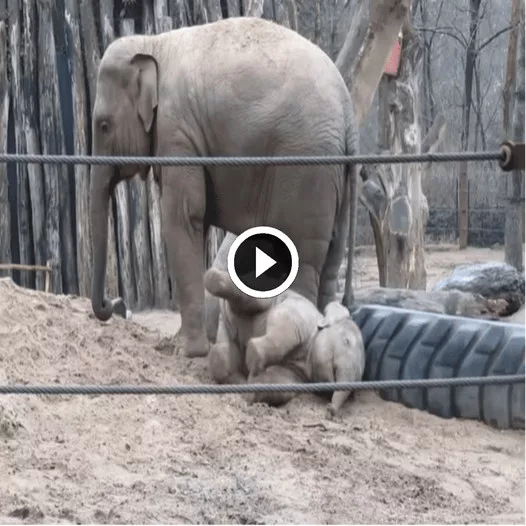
(351, 178)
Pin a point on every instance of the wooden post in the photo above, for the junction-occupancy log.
(180, 12)
(106, 22)
(82, 183)
(233, 8)
(59, 224)
(157, 23)
(515, 179)
(47, 283)
(22, 184)
(92, 59)
(5, 212)
(140, 238)
(32, 136)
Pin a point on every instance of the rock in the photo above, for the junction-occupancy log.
(492, 280)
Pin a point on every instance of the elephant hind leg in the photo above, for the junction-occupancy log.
(329, 274)
(275, 374)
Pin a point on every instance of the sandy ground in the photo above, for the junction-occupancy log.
(212, 459)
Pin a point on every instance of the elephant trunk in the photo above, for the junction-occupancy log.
(337, 401)
(100, 194)
(348, 372)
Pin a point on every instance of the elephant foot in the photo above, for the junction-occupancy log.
(195, 348)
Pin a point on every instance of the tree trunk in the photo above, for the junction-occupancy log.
(403, 232)
(5, 216)
(511, 67)
(362, 73)
(22, 183)
(394, 198)
(92, 59)
(515, 179)
(78, 86)
(463, 184)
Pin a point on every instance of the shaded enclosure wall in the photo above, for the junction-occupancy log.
(52, 50)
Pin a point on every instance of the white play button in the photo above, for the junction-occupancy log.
(263, 262)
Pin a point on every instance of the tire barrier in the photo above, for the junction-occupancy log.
(405, 344)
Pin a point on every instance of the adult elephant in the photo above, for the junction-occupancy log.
(236, 87)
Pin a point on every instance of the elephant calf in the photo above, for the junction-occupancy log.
(284, 339)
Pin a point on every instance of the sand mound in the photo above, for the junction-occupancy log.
(212, 459)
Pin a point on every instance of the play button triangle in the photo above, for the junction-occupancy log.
(263, 262)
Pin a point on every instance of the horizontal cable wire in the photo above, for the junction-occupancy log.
(258, 388)
(251, 161)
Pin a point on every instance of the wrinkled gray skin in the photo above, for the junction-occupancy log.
(211, 301)
(281, 340)
(237, 87)
(338, 352)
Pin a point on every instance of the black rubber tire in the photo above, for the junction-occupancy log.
(405, 344)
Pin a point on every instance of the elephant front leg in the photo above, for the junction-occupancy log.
(225, 364)
(183, 207)
(275, 374)
(274, 346)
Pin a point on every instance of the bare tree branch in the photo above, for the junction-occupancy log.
(494, 36)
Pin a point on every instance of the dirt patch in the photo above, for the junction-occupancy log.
(212, 459)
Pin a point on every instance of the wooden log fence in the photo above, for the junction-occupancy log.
(49, 58)
(46, 269)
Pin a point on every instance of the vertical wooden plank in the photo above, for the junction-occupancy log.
(214, 10)
(158, 252)
(180, 12)
(233, 8)
(92, 56)
(122, 220)
(31, 131)
(253, 7)
(162, 22)
(51, 140)
(64, 114)
(106, 22)
(22, 189)
(138, 206)
(284, 12)
(78, 87)
(5, 213)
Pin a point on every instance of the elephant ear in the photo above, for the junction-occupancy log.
(147, 88)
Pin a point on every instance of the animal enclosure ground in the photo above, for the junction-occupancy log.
(212, 459)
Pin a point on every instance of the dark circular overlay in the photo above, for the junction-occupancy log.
(245, 262)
